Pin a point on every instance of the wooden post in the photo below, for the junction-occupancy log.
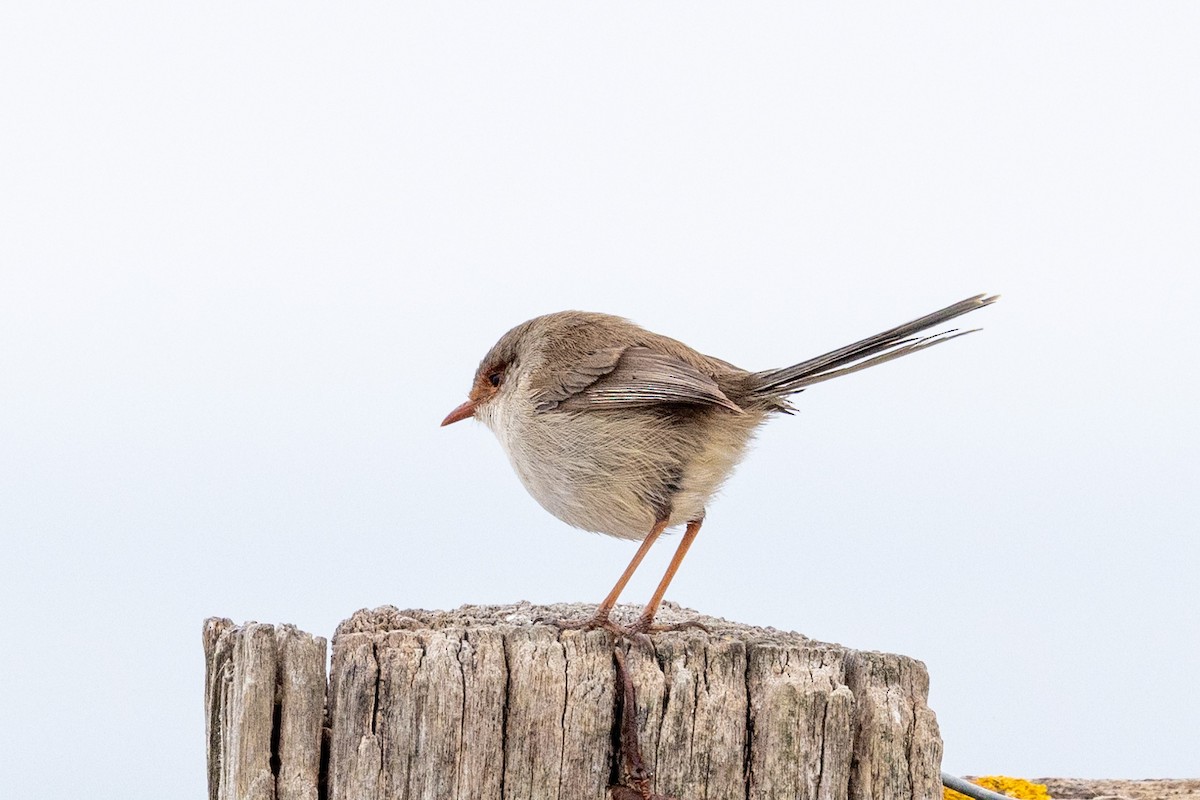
(487, 703)
(264, 698)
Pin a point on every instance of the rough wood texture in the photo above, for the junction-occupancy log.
(485, 702)
(264, 694)
(1073, 789)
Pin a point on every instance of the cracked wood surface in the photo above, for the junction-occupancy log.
(264, 700)
(1152, 789)
(487, 702)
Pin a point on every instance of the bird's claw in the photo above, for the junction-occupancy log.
(642, 626)
(647, 626)
(597, 622)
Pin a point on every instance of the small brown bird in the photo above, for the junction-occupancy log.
(618, 430)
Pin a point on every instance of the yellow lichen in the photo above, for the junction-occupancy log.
(1013, 787)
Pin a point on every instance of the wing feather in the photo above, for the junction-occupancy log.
(631, 377)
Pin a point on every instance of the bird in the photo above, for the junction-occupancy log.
(618, 430)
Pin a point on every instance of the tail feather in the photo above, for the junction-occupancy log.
(878, 349)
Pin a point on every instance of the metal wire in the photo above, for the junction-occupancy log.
(970, 789)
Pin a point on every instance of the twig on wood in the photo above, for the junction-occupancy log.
(636, 774)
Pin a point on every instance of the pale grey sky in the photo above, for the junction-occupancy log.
(251, 255)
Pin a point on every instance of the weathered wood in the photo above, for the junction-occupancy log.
(1074, 789)
(488, 703)
(300, 699)
(264, 703)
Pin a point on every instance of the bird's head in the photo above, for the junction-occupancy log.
(495, 378)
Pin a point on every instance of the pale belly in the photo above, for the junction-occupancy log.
(620, 473)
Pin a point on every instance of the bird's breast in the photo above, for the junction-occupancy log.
(617, 472)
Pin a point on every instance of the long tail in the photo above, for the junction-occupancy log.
(894, 343)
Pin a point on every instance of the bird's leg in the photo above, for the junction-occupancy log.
(645, 621)
(600, 618)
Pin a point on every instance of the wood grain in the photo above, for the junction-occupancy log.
(490, 702)
(264, 704)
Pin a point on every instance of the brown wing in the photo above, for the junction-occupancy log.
(582, 374)
(631, 377)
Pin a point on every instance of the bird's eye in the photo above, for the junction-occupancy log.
(495, 378)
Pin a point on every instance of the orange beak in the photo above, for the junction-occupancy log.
(467, 409)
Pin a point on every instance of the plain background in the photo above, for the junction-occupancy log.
(252, 254)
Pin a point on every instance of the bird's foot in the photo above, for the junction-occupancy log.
(646, 625)
(598, 621)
